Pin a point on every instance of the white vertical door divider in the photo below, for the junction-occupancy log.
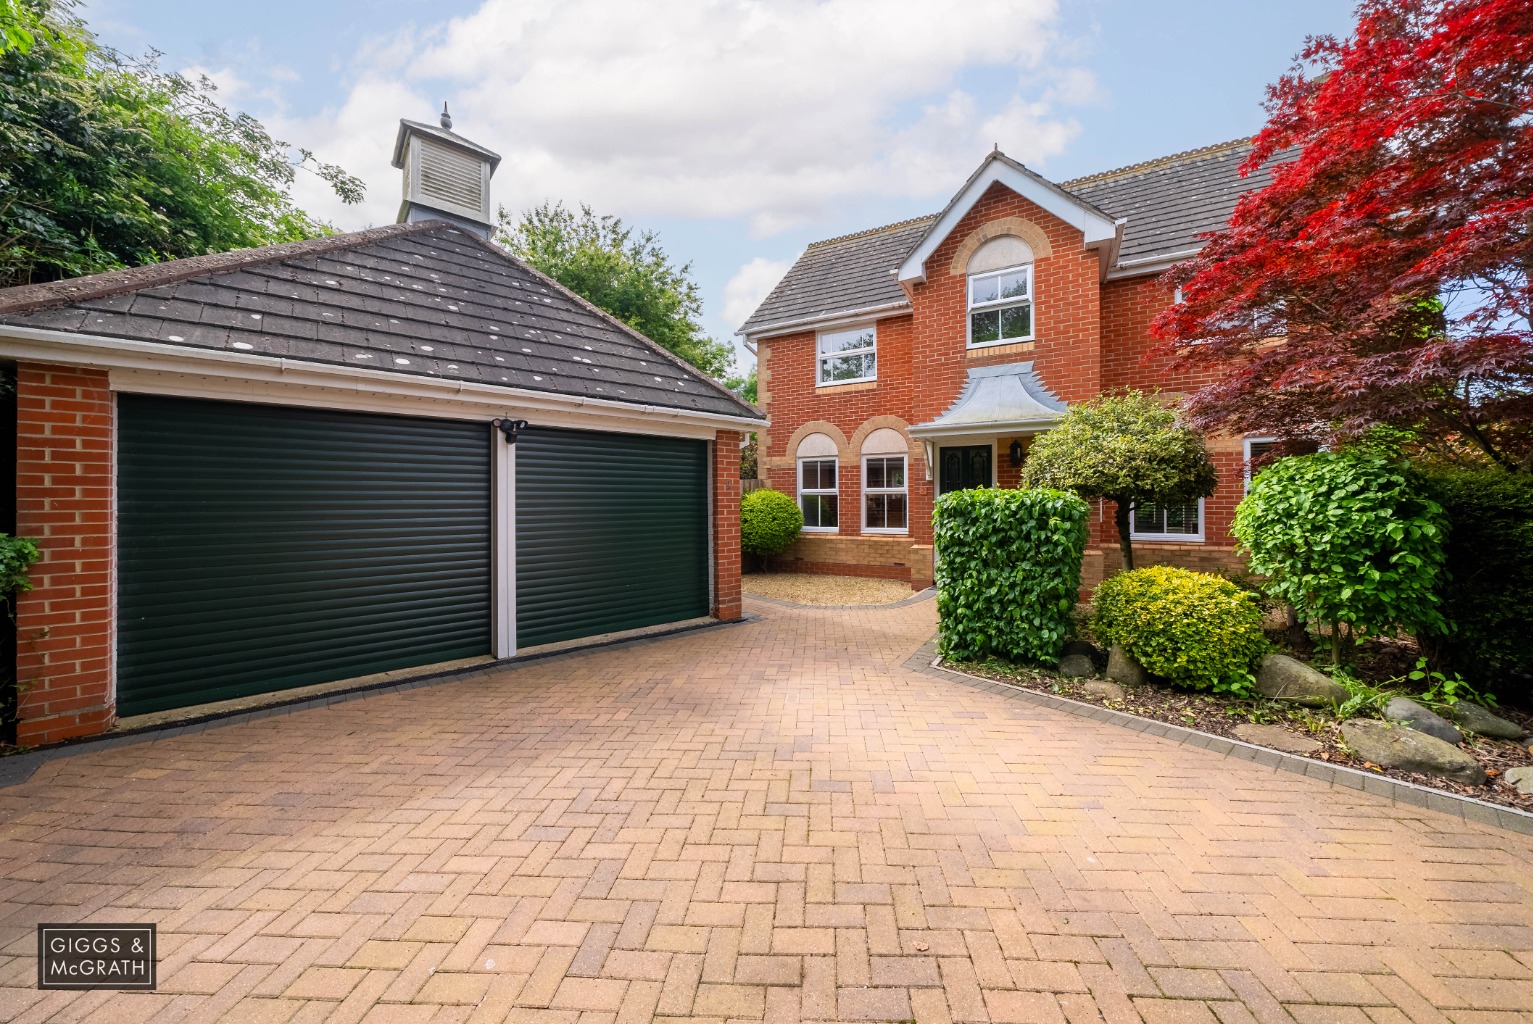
(503, 492)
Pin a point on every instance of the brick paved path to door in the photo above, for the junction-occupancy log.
(771, 821)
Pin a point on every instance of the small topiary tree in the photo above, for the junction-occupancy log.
(1125, 448)
(1008, 571)
(1347, 538)
(1193, 628)
(769, 522)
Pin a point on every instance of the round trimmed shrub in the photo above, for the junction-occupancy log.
(1348, 538)
(1192, 628)
(769, 522)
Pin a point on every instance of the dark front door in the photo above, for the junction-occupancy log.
(964, 466)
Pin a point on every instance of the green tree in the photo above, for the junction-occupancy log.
(108, 163)
(1126, 448)
(622, 271)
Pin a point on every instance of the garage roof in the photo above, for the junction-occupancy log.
(424, 299)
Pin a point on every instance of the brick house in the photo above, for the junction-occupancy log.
(898, 363)
(330, 462)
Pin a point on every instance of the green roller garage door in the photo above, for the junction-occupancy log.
(262, 548)
(611, 533)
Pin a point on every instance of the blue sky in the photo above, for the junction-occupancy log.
(739, 130)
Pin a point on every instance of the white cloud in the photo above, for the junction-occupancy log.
(773, 112)
(749, 286)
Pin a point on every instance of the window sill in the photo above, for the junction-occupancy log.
(1166, 538)
(998, 348)
(885, 533)
(819, 529)
(847, 385)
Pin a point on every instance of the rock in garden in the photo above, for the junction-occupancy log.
(1076, 666)
(1089, 649)
(1408, 712)
(1123, 669)
(1276, 737)
(1476, 719)
(1282, 678)
(1520, 779)
(1103, 689)
(1395, 746)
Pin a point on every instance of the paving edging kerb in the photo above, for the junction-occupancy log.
(1480, 812)
(18, 768)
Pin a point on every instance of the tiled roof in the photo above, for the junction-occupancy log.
(1171, 201)
(841, 274)
(1168, 203)
(425, 299)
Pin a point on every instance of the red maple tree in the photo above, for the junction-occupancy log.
(1383, 276)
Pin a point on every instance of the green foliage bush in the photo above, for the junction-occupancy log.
(17, 556)
(769, 522)
(1193, 628)
(1008, 571)
(1347, 538)
(1487, 592)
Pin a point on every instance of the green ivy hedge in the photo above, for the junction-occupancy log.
(1008, 571)
(1192, 628)
(769, 522)
(1487, 591)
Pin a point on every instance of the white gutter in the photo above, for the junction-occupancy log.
(835, 317)
(74, 349)
(1150, 264)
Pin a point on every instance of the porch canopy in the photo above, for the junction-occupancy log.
(996, 401)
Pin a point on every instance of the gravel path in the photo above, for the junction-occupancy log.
(815, 589)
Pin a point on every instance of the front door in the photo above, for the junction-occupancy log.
(964, 466)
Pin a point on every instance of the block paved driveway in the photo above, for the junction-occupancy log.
(775, 820)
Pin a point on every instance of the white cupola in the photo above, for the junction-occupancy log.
(447, 177)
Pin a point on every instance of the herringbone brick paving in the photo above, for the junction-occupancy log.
(775, 821)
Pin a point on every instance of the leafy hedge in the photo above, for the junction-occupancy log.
(1193, 628)
(769, 522)
(1008, 571)
(1488, 592)
(1346, 537)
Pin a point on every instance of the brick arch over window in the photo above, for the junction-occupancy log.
(916, 453)
(844, 451)
(1026, 230)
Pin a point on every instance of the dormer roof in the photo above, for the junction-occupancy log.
(1165, 205)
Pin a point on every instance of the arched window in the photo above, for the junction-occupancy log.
(885, 492)
(817, 483)
(1001, 292)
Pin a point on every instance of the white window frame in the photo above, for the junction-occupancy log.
(834, 490)
(971, 307)
(820, 358)
(1180, 538)
(902, 490)
(1247, 464)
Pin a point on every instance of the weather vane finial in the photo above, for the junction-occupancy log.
(446, 117)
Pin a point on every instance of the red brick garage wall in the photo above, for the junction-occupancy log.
(726, 524)
(64, 500)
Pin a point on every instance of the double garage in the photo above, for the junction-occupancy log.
(264, 547)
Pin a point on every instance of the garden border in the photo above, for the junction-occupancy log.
(924, 594)
(927, 662)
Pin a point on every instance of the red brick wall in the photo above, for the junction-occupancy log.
(726, 524)
(64, 500)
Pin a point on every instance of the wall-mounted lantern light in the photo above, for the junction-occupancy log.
(510, 428)
(1016, 453)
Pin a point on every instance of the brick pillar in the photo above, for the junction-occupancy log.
(64, 501)
(726, 524)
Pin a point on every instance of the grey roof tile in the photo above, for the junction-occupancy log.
(423, 299)
(1168, 203)
(841, 274)
(1171, 201)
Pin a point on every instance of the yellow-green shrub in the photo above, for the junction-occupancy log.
(1192, 628)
